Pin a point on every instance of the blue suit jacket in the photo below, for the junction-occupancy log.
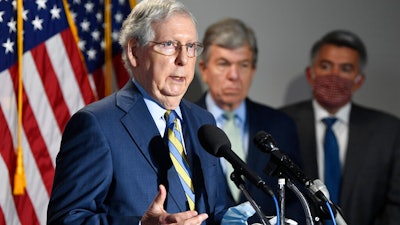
(283, 130)
(112, 159)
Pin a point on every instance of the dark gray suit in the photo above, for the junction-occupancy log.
(370, 190)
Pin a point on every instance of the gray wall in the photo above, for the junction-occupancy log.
(287, 29)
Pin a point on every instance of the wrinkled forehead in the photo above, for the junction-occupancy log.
(178, 25)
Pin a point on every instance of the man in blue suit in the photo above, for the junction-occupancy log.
(114, 165)
(227, 66)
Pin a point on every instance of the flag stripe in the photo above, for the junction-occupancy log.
(41, 120)
(23, 204)
(7, 165)
(7, 204)
(35, 189)
(26, 213)
(79, 71)
(33, 95)
(52, 90)
(34, 156)
(121, 75)
(98, 79)
(2, 219)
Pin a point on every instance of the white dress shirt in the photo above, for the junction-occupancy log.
(340, 128)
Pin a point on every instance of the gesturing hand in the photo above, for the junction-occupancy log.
(156, 214)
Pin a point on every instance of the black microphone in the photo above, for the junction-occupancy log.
(321, 191)
(266, 143)
(215, 142)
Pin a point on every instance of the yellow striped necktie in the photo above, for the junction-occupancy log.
(178, 156)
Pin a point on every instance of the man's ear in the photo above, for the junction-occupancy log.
(132, 51)
(309, 75)
(202, 67)
(358, 82)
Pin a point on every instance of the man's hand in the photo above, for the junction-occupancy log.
(156, 215)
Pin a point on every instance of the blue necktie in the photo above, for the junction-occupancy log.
(178, 156)
(332, 161)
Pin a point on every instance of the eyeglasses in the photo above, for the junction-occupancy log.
(172, 47)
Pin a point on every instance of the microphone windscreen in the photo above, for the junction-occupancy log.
(264, 141)
(212, 138)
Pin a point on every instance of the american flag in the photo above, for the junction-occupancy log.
(89, 18)
(62, 66)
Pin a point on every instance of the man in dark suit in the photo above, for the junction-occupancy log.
(227, 65)
(369, 140)
(114, 165)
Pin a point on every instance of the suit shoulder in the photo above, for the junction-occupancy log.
(372, 114)
(261, 110)
(193, 106)
(98, 107)
(295, 107)
(201, 101)
(196, 109)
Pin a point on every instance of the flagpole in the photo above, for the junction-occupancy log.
(19, 176)
(133, 3)
(108, 48)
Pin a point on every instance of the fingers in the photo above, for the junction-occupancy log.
(156, 213)
(156, 209)
(187, 218)
(158, 201)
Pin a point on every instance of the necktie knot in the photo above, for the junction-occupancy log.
(229, 115)
(329, 121)
(170, 116)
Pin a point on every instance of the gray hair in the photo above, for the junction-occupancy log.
(342, 38)
(139, 23)
(229, 33)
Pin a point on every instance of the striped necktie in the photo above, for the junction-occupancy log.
(332, 161)
(178, 156)
(233, 132)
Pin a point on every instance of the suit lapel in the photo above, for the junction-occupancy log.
(202, 169)
(308, 141)
(194, 162)
(130, 100)
(150, 143)
(358, 134)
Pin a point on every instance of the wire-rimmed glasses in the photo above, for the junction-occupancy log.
(172, 47)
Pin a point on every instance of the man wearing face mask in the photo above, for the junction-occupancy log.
(362, 169)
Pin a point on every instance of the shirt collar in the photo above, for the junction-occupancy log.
(342, 115)
(156, 110)
(218, 112)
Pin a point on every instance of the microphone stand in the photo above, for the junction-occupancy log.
(281, 195)
(303, 201)
(273, 169)
(237, 179)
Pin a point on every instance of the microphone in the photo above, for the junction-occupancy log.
(215, 142)
(317, 188)
(266, 143)
(320, 190)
